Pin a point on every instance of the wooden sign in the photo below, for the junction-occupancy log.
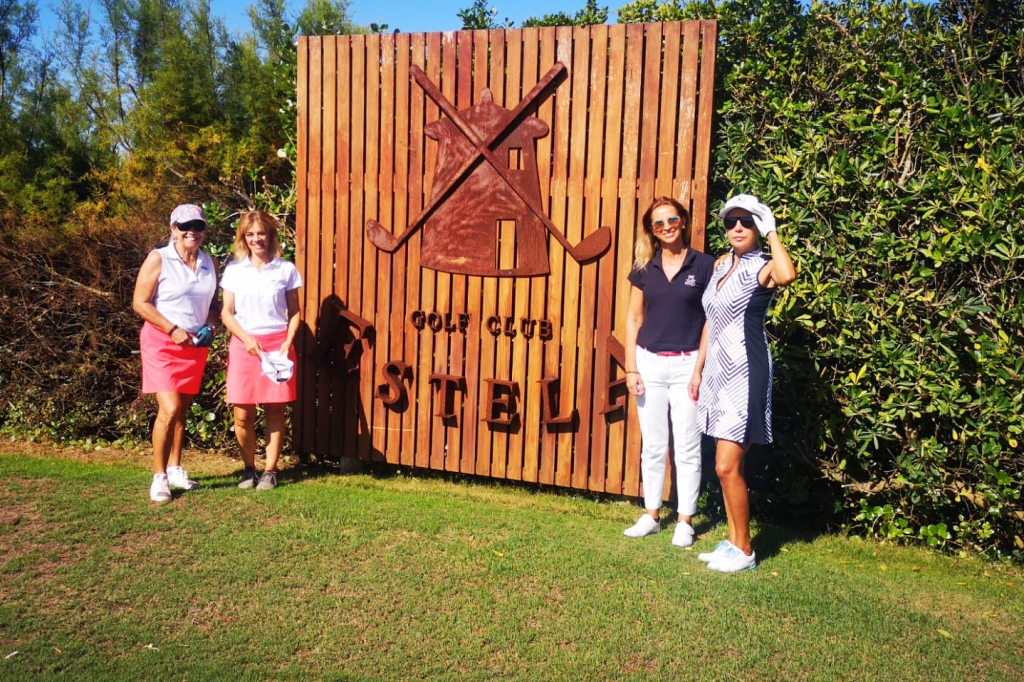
(467, 207)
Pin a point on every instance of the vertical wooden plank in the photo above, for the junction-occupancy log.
(376, 265)
(391, 269)
(305, 405)
(705, 108)
(589, 323)
(606, 468)
(668, 93)
(589, 212)
(687, 111)
(346, 234)
(649, 122)
(312, 418)
(628, 221)
(400, 425)
(469, 293)
(427, 453)
(609, 438)
(557, 284)
(444, 446)
(515, 291)
(356, 438)
(463, 458)
(412, 51)
(538, 57)
(325, 408)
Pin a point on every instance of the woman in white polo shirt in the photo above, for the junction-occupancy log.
(173, 294)
(261, 310)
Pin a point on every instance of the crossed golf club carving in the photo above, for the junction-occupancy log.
(592, 246)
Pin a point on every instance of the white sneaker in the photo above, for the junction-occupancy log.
(645, 525)
(158, 490)
(713, 554)
(732, 560)
(683, 535)
(178, 478)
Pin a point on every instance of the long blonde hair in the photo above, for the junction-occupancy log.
(646, 242)
(240, 250)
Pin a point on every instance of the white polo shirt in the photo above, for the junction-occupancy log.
(184, 296)
(260, 303)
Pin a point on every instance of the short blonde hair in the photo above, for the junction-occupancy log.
(240, 250)
(646, 242)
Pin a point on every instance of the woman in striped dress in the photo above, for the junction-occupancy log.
(735, 401)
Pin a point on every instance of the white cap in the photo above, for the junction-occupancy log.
(747, 202)
(186, 213)
(276, 367)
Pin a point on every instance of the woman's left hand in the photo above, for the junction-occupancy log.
(694, 386)
(285, 348)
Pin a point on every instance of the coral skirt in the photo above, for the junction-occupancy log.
(168, 367)
(246, 384)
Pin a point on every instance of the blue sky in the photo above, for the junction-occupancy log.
(415, 16)
(411, 16)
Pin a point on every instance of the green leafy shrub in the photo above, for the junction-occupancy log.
(889, 139)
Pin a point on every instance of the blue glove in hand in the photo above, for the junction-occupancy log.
(204, 337)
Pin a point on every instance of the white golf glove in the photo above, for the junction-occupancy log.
(764, 219)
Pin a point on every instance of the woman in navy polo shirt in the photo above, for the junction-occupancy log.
(664, 324)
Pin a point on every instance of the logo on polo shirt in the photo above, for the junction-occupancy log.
(691, 281)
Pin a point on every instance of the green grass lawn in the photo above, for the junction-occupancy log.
(366, 578)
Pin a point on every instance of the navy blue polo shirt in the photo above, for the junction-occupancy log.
(673, 313)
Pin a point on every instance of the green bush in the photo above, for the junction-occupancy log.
(889, 139)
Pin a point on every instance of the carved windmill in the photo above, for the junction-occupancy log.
(486, 175)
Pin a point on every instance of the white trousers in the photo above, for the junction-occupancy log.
(666, 393)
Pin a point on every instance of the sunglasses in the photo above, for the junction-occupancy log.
(192, 226)
(659, 225)
(746, 221)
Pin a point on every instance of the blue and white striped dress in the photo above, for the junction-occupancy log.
(736, 385)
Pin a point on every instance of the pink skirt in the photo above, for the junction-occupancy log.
(168, 367)
(246, 384)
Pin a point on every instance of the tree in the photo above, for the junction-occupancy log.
(478, 16)
(590, 15)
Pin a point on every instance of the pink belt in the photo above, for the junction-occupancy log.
(671, 353)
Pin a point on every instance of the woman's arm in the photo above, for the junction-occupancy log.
(698, 367)
(142, 300)
(292, 297)
(634, 318)
(227, 315)
(780, 271)
(213, 316)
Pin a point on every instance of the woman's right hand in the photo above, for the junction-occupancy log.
(251, 345)
(635, 383)
(181, 337)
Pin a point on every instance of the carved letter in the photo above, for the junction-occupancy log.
(463, 322)
(546, 331)
(616, 353)
(527, 327)
(419, 320)
(434, 322)
(393, 392)
(510, 327)
(549, 404)
(501, 398)
(494, 325)
(447, 384)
